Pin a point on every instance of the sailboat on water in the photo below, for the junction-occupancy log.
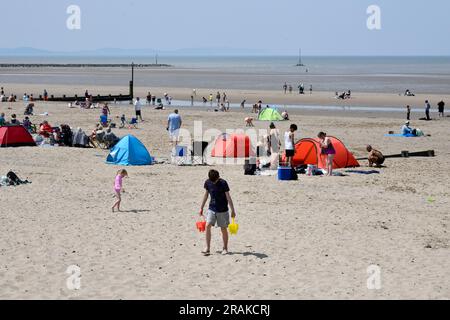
(300, 63)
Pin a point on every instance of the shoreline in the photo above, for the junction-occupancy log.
(268, 97)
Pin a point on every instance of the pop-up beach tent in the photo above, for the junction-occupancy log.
(129, 151)
(308, 151)
(269, 114)
(15, 136)
(233, 146)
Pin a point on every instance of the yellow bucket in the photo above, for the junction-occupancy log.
(233, 227)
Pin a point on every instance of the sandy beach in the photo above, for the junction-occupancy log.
(307, 239)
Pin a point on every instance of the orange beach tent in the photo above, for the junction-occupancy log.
(308, 151)
(233, 146)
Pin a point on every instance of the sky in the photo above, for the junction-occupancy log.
(319, 27)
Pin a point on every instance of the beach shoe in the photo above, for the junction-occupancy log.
(206, 253)
(225, 252)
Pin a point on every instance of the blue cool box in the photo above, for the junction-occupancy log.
(284, 173)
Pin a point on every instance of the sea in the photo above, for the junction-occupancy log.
(429, 75)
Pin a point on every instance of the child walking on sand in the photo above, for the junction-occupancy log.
(217, 213)
(118, 189)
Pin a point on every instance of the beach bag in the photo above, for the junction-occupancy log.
(249, 169)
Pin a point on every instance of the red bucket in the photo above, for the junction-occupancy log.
(201, 226)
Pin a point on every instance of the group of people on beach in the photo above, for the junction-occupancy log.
(301, 88)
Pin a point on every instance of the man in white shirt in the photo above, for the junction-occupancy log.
(138, 108)
(289, 144)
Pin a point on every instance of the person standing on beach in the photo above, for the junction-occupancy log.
(211, 99)
(218, 212)
(289, 144)
(408, 112)
(274, 142)
(174, 123)
(441, 106)
(138, 108)
(328, 151)
(243, 104)
(118, 188)
(45, 95)
(310, 89)
(285, 87)
(149, 98)
(218, 98)
(427, 110)
(192, 101)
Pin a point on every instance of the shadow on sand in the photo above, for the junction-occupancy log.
(246, 254)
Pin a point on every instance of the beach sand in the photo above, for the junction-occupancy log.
(309, 239)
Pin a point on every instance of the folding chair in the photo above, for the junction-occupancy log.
(180, 156)
(198, 152)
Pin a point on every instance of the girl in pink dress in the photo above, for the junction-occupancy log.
(118, 189)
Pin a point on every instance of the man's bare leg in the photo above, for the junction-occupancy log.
(208, 240)
(225, 240)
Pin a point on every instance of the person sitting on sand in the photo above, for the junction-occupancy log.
(408, 93)
(249, 122)
(218, 213)
(285, 115)
(27, 124)
(407, 130)
(110, 139)
(29, 110)
(376, 158)
(123, 121)
(14, 120)
(98, 135)
(45, 129)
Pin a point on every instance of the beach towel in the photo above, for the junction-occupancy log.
(401, 135)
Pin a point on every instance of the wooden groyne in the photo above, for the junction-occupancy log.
(81, 65)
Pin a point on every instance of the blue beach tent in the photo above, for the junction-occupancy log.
(129, 151)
